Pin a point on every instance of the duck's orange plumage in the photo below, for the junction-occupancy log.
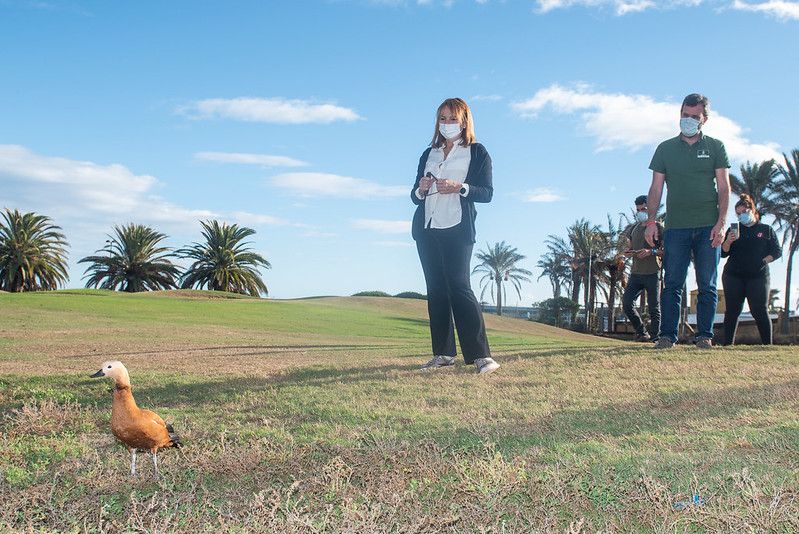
(138, 429)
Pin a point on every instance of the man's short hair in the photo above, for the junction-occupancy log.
(694, 99)
(641, 199)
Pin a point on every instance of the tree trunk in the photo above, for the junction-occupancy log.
(611, 304)
(576, 280)
(499, 295)
(785, 327)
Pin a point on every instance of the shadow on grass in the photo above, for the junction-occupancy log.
(255, 349)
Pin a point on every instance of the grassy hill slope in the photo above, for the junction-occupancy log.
(311, 415)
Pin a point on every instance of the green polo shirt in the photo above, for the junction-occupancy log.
(691, 198)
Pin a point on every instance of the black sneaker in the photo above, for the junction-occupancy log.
(703, 343)
(437, 362)
(664, 343)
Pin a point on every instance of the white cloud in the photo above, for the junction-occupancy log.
(382, 226)
(776, 8)
(254, 219)
(108, 188)
(393, 244)
(82, 191)
(270, 110)
(542, 194)
(264, 160)
(317, 184)
(620, 7)
(618, 120)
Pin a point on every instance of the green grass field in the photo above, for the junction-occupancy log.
(310, 416)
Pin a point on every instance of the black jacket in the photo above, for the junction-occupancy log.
(747, 252)
(481, 189)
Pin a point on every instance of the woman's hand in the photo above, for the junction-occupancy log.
(732, 237)
(448, 186)
(425, 183)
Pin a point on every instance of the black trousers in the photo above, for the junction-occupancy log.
(446, 255)
(635, 285)
(755, 290)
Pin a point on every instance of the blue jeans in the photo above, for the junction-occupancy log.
(680, 246)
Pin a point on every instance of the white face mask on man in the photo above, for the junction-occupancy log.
(450, 131)
(689, 126)
(641, 216)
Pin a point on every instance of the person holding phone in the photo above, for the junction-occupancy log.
(644, 273)
(453, 174)
(749, 249)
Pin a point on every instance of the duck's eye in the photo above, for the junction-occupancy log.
(109, 367)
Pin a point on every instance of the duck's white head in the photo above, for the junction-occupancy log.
(114, 369)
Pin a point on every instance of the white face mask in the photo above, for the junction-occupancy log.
(641, 216)
(450, 131)
(689, 126)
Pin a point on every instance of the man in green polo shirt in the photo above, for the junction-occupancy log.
(694, 168)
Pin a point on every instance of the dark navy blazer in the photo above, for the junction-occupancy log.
(481, 189)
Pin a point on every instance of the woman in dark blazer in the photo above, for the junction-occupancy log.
(453, 174)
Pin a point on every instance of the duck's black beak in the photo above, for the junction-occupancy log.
(98, 374)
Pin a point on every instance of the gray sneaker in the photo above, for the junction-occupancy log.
(485, 365)
(438, 361)
(664, 343)
(704, 343)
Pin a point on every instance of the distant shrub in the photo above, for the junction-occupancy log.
(371, 294)
(411, 295)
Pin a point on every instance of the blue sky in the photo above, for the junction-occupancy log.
(305, 120)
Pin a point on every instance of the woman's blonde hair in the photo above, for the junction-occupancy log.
(460, 109)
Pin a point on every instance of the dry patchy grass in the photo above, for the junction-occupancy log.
(313, 432)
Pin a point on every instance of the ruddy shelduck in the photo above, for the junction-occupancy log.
(139, 430)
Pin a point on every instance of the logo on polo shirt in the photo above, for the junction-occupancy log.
(703, 153)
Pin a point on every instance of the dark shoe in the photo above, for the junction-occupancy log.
(664, 343)
(703, 343)
(643, 338)
(437, 362)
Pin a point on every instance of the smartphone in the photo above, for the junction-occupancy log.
(734, 228)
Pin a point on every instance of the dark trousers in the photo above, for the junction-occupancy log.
(755, 290)
(445, 256)
(636, 284)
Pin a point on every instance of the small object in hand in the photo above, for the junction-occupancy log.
(734, 229)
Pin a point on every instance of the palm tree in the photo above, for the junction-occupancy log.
(611, 266)
(757, 181)
(498, 265)
(773, 297)
(786, 213)
(223, 262)
(563, 252)
(32, 253)
(132, 261)
(554, 267)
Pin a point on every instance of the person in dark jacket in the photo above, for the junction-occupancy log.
(453, 174)
(644, 273)
(748, 250)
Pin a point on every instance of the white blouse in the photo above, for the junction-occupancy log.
(444, 210)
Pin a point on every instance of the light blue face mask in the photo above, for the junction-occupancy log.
(746, 218)
(641, 216)
(689, 126)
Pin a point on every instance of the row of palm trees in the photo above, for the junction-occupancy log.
(588, 258)
(33, 254)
